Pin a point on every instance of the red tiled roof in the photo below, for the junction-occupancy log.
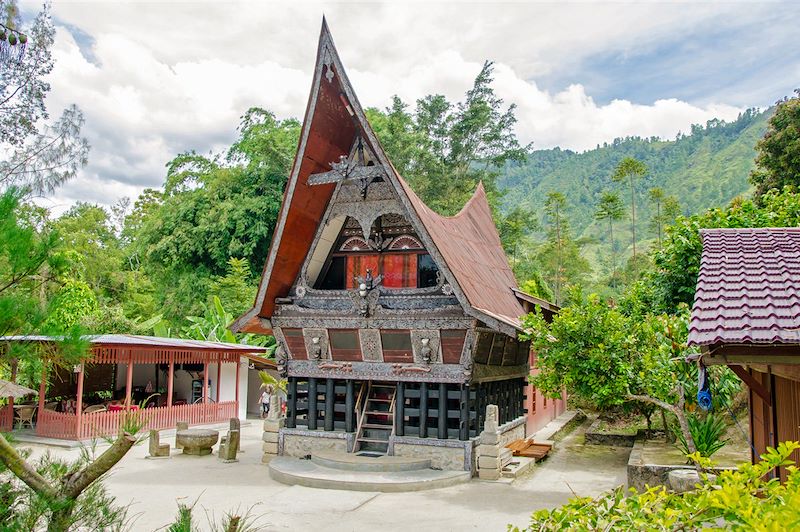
(748, 288)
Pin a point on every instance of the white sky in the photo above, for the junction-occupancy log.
(155, 79)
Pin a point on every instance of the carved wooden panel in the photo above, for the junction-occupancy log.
(371, 345)
(345, 344)
(397, 346)
(295, 343)
(452, 341)
(432, 335)
(319, 349)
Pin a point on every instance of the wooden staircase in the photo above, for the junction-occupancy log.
(376, 419)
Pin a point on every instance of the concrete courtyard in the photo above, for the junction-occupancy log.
(153, 489)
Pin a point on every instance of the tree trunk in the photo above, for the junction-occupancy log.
(677, 410)
(61, 500)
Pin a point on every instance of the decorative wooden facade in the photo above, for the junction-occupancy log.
(392, 321)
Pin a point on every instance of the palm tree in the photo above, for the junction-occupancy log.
(629, 169)
(610, 208)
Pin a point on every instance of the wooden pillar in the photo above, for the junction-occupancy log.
(400, 410)
(330, 399)
(219, 377)
(205, 380)
(463, 415)
(79, 404)
(349, 406)
(170, 377)
(291, 407)
(42, 387)
(442, 411)
(479, 410)
(312, 403)
(236, 395)
(129, 381)
(423, 410)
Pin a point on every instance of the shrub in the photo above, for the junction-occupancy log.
(743, 499)
(707, 432)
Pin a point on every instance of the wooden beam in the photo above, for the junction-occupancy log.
(463, 414)
(42, 387)
(442, 411)
(312, 403)
(170, 377)
(79, 404)
(400, 410)
(291, 407)
(754, 385)
(236, 398)
(205, 380)
(423, 410)
(330, 399)
(219, 377)
(350, 406)
(129, 381)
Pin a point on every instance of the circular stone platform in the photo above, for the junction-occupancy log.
(340, 471)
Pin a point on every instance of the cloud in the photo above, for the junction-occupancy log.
(155, 80)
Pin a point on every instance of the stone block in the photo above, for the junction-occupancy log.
(490, 438)
(489, 450)
(489, 462)
(273, 425)
(271, 437)
(489, 474)
(266, 458)
(269, 447)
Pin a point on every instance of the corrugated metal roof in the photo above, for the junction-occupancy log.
(748, 288)
(144, 342)
(471, 247)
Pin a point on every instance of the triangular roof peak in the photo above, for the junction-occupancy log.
(466, 246)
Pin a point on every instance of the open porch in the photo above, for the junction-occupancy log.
(160, 380)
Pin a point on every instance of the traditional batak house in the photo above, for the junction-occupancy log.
(396, 326)
(746, 315)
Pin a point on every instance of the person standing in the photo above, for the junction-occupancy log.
(266, 398)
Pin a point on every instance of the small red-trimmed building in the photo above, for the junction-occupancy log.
(396, 326)
(746, 315)
(165, 375)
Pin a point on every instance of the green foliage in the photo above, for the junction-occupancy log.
(268, 380)
(235, 290)
(705, 169)
(72, 305)
(445, 149)
(601, 356)
(741, 499)
(778, 160)
(707, 432)
(212, 209)
(21, 509)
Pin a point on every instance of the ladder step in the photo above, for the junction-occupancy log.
(384, 386)
(373, 440)
(377, 413)
(379, 400)
(375, 426)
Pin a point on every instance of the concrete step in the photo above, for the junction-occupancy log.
(518, 466)
(354, 462)
(294, 471)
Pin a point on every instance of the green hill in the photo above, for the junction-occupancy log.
(706, 168)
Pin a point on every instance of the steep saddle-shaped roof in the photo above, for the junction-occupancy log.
(466, 246)
(748, 288)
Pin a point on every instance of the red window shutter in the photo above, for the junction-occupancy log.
(357, 266)
(400, 270)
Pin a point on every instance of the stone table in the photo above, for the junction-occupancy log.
(196, 441)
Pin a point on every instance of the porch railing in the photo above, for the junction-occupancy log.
(6, 418)
(107, 424)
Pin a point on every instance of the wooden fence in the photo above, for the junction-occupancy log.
(107, 424)
(6, 418)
